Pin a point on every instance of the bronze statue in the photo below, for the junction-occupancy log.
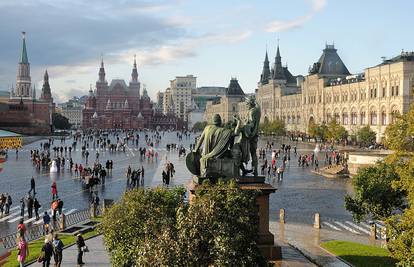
(218, 142)
(249, 135)
(221, 157)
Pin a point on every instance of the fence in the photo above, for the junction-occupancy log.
(36, 231)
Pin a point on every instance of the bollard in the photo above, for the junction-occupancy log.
(62, 221)
(317, 223)
(282, 215)
(373, 233)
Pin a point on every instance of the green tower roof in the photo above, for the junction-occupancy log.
(23, 58)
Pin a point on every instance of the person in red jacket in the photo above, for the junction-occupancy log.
(54, 191)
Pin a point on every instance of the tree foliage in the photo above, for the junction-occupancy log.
(155, 227)
(276, 127)
(60, 122)
(366, 136)
(336, 132)
(318, 131)
(374, 195)
(399, 137)
(199, 126)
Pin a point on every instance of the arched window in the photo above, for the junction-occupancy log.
(354, 118)
(373, 116)
(362, 119)
(383, 118)
(345, 118)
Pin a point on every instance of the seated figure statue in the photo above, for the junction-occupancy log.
(218, 158)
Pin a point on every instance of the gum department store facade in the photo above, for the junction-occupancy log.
(330, 91)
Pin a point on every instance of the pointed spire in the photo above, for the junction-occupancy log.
(134, 74)
(46, 92)
(265, 76)
(23, 57)
(102, 71)
(278, 73)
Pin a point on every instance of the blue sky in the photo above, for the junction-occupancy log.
(214, 40)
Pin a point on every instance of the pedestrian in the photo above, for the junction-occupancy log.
(54, 190)
(32, 186)
(46, 252)
(142, 175)
(9, 202)
(36, 206)
(22, 206)
(21, 228)
(80, 243)
(22, 251)
(46, 223)
(30, 205)
(57, 250)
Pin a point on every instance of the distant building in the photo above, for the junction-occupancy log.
(73, 111)
(228, 105)
(180, 95)
(117, 105)
(23, 112)
(202, 95)
(330, 91)
(159, 105)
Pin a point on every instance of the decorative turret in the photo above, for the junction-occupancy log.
(264, 78)
(23, 82)
(95, 115)
(145, 93)
(278, 73)
(102, 72)
(46, 93)
(134, 74)
(34, 92)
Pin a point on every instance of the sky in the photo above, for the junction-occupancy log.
(213, 40)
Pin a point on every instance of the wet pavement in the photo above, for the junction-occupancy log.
(301, 193)
(17, 172)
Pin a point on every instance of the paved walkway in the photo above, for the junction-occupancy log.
(96, 257)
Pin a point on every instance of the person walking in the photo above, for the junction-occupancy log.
(54, 191)
(22, 206)
(57, 250)
(30, 204)
(9, 202)
(46, 223)
(36, 206)
(32, 186)
(80, 243)
(142, 175)
(47, 252)
(22, 251)
(21, 228)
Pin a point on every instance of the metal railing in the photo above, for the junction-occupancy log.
(37, 231)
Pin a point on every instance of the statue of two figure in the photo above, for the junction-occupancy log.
(226, 150)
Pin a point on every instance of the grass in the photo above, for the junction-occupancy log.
(360, 254)
(36, 246)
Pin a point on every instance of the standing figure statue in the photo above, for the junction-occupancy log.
(249, 135)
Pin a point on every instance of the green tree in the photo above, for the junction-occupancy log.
(60, 122)
(276, 127)
(366, 136)
(155, 227)
(374, 195)
(336, 132)
(399, 137)
(199, 126)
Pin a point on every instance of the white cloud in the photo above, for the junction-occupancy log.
(284, 25)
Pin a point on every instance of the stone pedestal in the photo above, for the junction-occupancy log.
(265, 237)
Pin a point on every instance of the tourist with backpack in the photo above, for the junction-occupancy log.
(57, 250)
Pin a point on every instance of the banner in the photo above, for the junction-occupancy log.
(10, 142)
